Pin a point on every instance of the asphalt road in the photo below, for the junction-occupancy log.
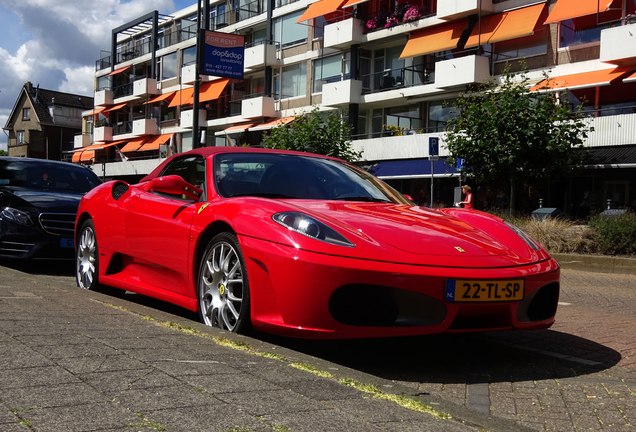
(83, 361)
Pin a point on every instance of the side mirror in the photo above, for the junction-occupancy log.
(408, 197)
(175, 185)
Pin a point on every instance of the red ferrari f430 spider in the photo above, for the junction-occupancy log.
(308, 246)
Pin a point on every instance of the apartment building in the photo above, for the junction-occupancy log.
(390, 66)
(43, 123)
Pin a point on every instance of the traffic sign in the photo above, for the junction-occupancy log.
(433, 146)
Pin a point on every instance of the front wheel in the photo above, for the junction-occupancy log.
(223, 289)
(86, 257)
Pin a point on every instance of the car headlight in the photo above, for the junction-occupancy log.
(311, 227)
(15, 215)
(525, 237)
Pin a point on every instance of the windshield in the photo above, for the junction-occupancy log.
(42, 175)
(297, 177)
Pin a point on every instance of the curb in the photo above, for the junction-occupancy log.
(596, 263)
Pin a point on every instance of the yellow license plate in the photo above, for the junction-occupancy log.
(458, 290)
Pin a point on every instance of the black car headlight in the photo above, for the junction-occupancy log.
(311, 227)
(525, 237)
(15, 215)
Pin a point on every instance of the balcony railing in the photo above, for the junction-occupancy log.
(239, 14)
(103, 63)
(123, 90)
(121, 128)
(223, 107)
(391, 79)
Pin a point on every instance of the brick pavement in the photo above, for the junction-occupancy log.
(77, 358)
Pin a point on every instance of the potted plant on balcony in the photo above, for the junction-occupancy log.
(413, 13)
(391, 21)
(372, 24)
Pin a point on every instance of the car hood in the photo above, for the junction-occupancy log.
(412, 229)
(42, 200)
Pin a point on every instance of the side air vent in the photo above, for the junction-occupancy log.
(119, 189)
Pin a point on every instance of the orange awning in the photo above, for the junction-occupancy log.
(134, 144)
(582, 80)
(631, 78)
(115, 72)
(182, 97)
(115, 107)
(235, 129)
(508, 25)
(77, 156)
(88, 155)
(161, 97)
(353, 3)
(273, 123)
(320, 8)
(434, 39)
(94, 112)
(212, 90)
(568, 9)
(154, 142)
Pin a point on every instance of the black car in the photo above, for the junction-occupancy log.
(38, 202)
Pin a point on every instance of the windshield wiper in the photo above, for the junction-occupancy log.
(362, 198)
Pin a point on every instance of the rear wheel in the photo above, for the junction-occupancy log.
(223, 289)
(86, 257)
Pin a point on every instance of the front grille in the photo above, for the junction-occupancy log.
(62, 224)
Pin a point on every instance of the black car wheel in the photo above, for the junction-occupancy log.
(223, 289)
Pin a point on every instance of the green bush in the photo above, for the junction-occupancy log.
(616, 234)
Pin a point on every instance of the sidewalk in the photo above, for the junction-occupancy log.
(73, 360)
(597, 263)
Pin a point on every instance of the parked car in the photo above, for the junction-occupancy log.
(38, 202)
(309, 246)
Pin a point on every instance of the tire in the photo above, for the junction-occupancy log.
(223, 287)
(87, 258)
(87, 262)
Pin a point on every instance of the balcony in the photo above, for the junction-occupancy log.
(342, 93)
(81, 140)
(103, 97)
(145, 127)
(103, 133)
(396, 79)
(187, 118)
(461, 71)
(616, 47)
(343, 34)
(145, 86)
(259, 56)
(261, 106)
(452, 10)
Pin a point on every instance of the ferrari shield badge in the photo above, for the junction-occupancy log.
(202, 208)
(460, 249)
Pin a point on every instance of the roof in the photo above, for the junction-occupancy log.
(615, 155)
(41, 99)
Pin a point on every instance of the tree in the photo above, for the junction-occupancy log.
(505, 132)
(311, 132)
(4, 153)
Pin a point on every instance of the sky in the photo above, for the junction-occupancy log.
(55, 43)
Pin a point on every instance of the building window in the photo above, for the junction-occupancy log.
(331, 69)
(19, 137)
(218, 17)
(580, 31)
(439, 112)
(288, 32)
(167, 66)
(294, 81)
(26, 113)
(188, 56)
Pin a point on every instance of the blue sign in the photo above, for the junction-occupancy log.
(433, 146)
(461, 163)
(223, 55)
